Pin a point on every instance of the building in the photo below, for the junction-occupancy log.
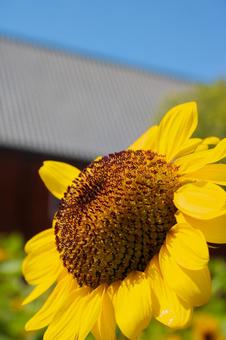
(57, 105)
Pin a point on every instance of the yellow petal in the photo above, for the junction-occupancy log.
(188, 147)
(204, 201)
(180, 217)
(39, 290)
(105, 325)
(204, 145)
(167, 307)
(198, 160)
(40, 267)
(42, 241)
(56, 299)
(211, 140)
(64, 324)
(176, 128)
(146, 141)
(214, 229)
(57, 176)
(132, 303)
(192, 286)
(192, 162)
(90, 312)
(217, 153)
(214, 173)
(78, 316)
(187, 246)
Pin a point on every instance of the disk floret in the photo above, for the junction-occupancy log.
(115, 216)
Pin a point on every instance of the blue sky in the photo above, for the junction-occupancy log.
(185, 38)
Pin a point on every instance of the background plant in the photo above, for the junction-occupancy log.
(211, 100)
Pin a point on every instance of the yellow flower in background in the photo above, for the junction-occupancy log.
(3, 254)
(173, 337)
(206, 327)
(129, 240)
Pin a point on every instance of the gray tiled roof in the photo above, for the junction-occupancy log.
(74, 106)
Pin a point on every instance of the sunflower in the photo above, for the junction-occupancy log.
(129, 239)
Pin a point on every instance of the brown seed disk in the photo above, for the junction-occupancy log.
(114, 217)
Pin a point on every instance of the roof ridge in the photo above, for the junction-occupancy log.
(95, 57)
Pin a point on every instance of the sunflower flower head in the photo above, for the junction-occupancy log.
(129, 239)
(114, 218)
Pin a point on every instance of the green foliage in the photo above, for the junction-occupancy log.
(13, 290)
(211, 100)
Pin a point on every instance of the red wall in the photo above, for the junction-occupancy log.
(24, 200)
